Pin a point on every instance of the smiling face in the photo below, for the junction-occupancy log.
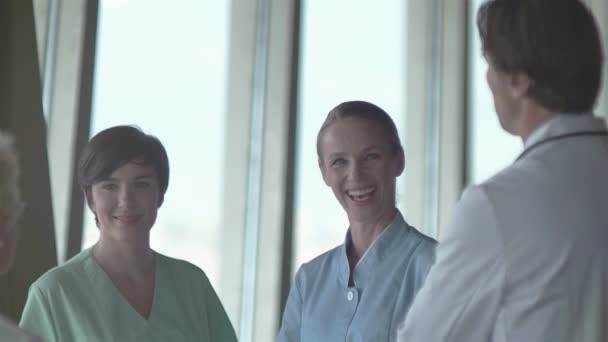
(359, 164)
(126, 203)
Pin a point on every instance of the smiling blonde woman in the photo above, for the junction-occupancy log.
(362, 289)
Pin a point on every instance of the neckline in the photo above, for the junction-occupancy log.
(107, 282)
(375, 250)
(539, 143)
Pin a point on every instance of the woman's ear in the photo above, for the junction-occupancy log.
(323, 171)
(89, 198)
(400, 162)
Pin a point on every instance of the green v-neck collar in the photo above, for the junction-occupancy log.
(108, 294)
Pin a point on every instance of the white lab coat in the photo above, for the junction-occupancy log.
(524, 256)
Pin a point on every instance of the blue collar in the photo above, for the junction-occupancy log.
(374, 254)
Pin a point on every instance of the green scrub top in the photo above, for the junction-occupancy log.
(77, 302)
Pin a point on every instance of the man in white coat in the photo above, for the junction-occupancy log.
(524, 256)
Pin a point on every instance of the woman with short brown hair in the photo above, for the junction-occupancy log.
(121, 289)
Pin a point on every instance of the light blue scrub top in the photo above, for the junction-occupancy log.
(78, 302)
(321, 306)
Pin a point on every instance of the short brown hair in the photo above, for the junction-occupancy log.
(366, 111)
(114, 147)
(555, 42)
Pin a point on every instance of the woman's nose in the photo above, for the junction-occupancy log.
(356, 171)
(126, 196)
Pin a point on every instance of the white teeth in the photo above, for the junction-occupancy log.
(360, 192)
(127, 218)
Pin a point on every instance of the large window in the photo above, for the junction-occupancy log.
(45, 15)
(351, 50)
(194, 73)
(161, 65)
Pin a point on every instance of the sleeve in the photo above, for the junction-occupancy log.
(219, 324)
(462, 295)
(36, 318)
(292, 314)
(425, 260)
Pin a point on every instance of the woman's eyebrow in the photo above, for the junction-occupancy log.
(374, 147)
(335, 154)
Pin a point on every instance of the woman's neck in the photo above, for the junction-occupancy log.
(124, 258)
(363, 234)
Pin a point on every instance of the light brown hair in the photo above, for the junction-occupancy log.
(365, 111)
(114, 147)
(555, 42)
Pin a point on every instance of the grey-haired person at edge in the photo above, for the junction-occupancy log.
(11, 208)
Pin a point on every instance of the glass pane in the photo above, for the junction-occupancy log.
(490, 148)
(358, 54)
(41, 18)
(161, 65)
(45, 17)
